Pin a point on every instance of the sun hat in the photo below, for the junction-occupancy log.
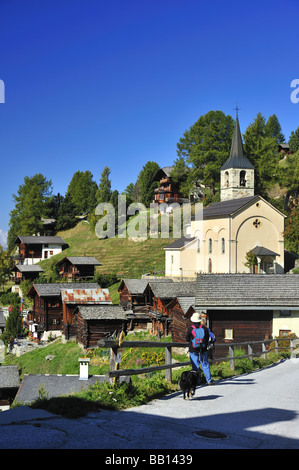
(196, 317)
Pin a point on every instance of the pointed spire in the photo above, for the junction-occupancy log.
(237, 158)
(237, 146)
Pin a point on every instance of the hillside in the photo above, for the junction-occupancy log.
(123, 257)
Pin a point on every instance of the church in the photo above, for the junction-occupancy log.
(242, 222)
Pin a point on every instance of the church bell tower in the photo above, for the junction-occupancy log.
(237, 173)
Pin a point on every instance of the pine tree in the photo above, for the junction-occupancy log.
(147, 182)
(294, 141)
(273, 129)
(30, 207)
(104, 190)
(66, 216)
(204, 148)
(13, 324)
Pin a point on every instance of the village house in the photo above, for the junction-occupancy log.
(46, 317)
(249, 307)
(95, 322)
(26, 272)
(166, 311)
(32, 249)
(168, 192)
(134, 295)
(240, 223)
(77, 267)
(72, 297)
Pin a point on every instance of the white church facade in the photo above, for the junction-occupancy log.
(240, 223)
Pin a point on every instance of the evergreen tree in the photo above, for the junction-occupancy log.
(82, 190)
(204, 148)
(104, 190)
(147, 182)
(13, 324)
(66, 216)
(294, 141)
(30, 206)
(291, 233)
(129, 193)
(273, 129)
(262, 151)
(5, 266)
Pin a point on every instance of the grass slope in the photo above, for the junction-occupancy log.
(124, 257)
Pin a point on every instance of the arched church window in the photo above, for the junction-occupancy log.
(226, 180)
(243, 178)
(210, 245)
(222, 245)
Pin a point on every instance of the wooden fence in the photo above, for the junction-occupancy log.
(115, 345)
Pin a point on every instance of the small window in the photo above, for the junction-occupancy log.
(198, 245)
(222, 245)
(171, 259)
(210, 245)
(284, 333)
(228, 333)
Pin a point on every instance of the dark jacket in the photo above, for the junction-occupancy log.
(189, 337)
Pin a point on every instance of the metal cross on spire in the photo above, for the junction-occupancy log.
(236, 109)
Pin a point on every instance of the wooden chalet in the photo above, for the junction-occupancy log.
(73, 297)
(9, 385)
(135, 296)
(24, 272)
(33, 249)
(168, 192)
(96, 322)
(47, 313)
(77, 267)
(162, 298)
(248, 307)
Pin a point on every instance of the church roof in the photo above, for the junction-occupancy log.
(237, 158)
(226, 208)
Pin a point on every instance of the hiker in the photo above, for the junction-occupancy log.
(198, 338)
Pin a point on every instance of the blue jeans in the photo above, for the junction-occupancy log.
(203, 360)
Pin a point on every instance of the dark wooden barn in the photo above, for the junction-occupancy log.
(24, 272)
(94, 322)
(71, 298)
(47, 312)
(77, 267)
(161, 303)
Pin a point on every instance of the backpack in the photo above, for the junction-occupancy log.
(198, 341)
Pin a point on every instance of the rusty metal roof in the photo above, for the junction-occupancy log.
(86, 296)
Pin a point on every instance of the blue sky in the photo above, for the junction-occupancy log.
(90, 83)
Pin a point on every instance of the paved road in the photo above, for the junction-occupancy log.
(255, 411)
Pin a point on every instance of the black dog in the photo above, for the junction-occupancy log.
(188, 382)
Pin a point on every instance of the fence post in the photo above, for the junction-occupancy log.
(291, 346)
(231, 355)
(168, 360)
(276, 346)
(250, 352)
(264, 351)
(113, 363)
